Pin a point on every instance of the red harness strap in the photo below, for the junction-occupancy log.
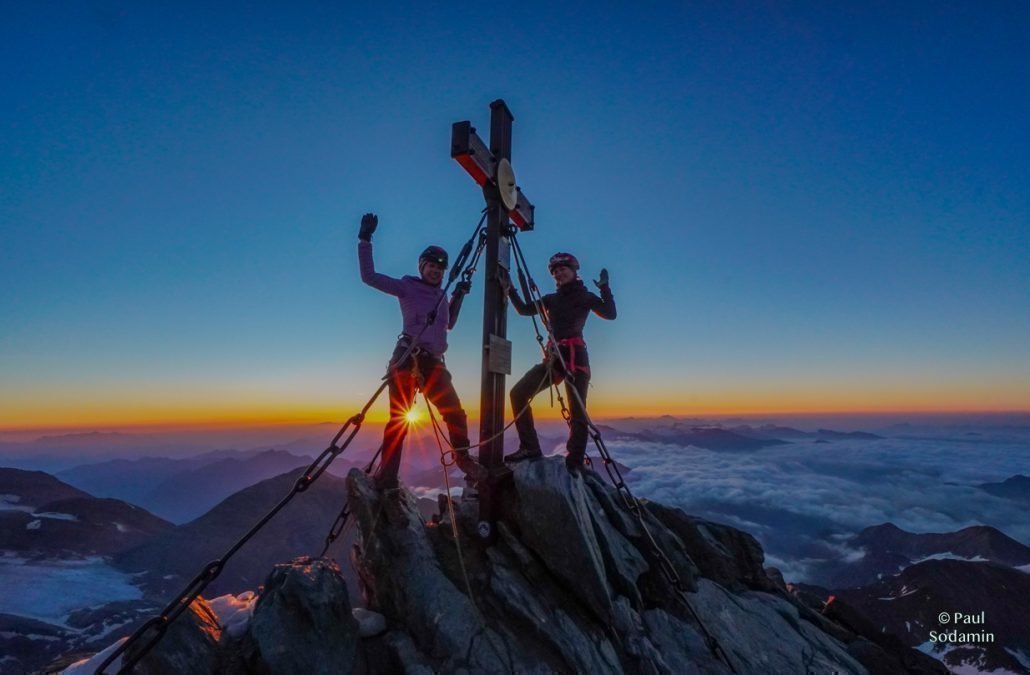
(572, 343)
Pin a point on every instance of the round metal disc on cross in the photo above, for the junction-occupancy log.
(505, 180)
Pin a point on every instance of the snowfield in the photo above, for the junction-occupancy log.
(49, 590)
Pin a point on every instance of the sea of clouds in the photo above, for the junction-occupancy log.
(802, 501)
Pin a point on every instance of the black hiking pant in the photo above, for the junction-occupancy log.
(435, 380)
(535, 381)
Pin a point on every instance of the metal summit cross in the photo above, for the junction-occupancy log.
(491, 169)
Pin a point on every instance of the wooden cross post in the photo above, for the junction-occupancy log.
(491, 169)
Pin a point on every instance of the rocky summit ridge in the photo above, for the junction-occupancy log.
(569, 585)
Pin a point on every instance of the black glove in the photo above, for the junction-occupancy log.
(369, 222)
(603, 281)
(462, 287)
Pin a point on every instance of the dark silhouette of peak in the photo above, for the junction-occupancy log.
(771, 431)
(974, 596)
(85, 436)
(978, 541)
(188, 494)
(77, 526)
(853, 435)
(171, 560)
(1016, 487)
(33, 488)
(886, 550)
(710, 438)
(714, 438)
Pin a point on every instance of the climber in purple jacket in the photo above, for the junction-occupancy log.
(422, 300)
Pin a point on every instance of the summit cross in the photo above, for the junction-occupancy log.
(507, 208)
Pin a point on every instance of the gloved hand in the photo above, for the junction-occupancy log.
(603, 281)
(463, 287)
(369, 222)
(505, 281)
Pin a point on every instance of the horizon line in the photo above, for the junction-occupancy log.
(185, 425)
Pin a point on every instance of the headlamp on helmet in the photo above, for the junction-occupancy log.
(433, 254)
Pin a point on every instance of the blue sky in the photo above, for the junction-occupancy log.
(802, 206)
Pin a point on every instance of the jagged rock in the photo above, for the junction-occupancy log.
(525, 584)
(556, 522)
(190, 645)
(369, 623)
(573, 583)
(302, 622)
(723, 554)
(776, 577)
(405, 582)
(405, 656)
(568, 638)
(892, 648)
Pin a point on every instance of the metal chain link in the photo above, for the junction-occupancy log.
(211, 571)
(666, 567)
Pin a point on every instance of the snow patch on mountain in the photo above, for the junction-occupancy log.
(49, 590)
(948, 556)
(56, 516)
(90, 665)
(234, 611)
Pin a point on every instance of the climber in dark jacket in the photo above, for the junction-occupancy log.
(421, 299)
(566, 310)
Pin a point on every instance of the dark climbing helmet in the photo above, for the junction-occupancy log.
(562, 259)
(433, 254)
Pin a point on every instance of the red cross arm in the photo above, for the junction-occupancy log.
(475, 157)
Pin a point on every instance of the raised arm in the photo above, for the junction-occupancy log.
(603, 306)
(381, 282)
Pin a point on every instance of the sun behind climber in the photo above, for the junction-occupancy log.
(421, 300)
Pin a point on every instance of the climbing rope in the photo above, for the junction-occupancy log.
(500, 433)
(631, 503)
(158, 626)
(447, 460)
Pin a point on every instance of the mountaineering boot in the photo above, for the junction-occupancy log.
(574, 462)
(472, 469)
(523, 453)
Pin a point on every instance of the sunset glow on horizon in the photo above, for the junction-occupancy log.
(802, 210)
(165, 417)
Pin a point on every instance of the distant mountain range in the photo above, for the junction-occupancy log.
(168, 562)
(41, 516)
(770, 431)
(903, 582)
(740, 438)
(183, 489)
(710, 438)
(56, 528)
(886, 550)
(1017, 488)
